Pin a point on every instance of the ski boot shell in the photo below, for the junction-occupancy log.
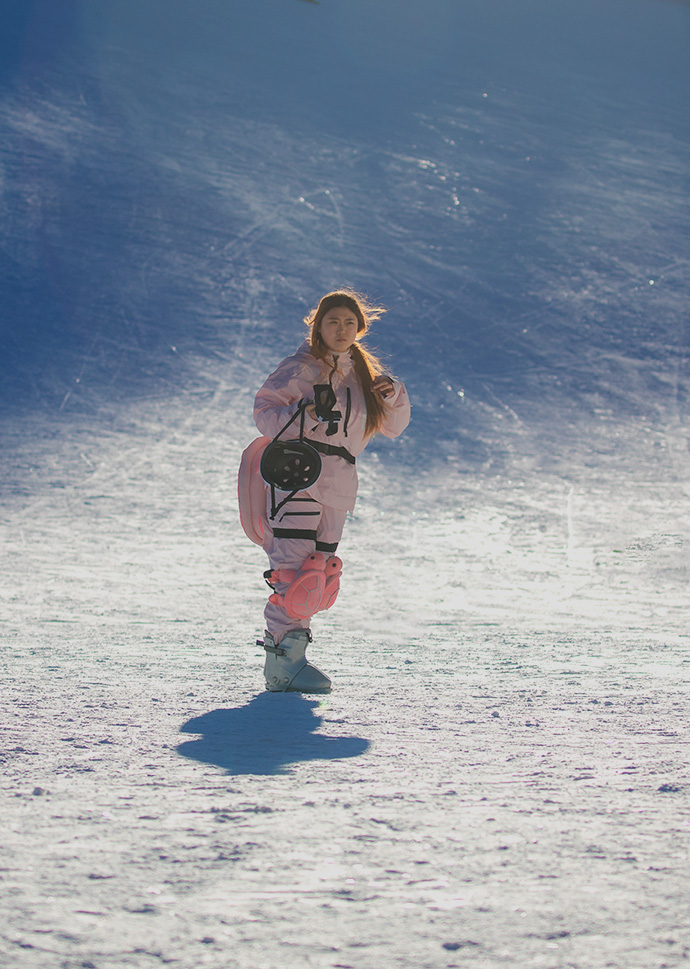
(287, 669)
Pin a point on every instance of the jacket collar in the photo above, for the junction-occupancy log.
(344, 361)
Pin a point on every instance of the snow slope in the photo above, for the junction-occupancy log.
(500, 776)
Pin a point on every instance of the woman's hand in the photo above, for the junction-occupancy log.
(383, 386)
(309, 407)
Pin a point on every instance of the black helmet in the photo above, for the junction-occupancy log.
(290, 465)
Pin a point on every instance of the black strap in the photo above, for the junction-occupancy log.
(332, 449)
(348, 411)
(300, 412)
(276, 508)
(301, 501)
(308, 533)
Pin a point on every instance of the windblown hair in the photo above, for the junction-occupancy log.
(367, 365)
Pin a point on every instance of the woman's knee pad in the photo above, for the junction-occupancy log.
(311, 588)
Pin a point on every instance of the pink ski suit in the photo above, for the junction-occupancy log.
(315, 518)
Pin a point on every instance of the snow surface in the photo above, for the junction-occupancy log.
(500, 776)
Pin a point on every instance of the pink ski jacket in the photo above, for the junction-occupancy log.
(294, 381)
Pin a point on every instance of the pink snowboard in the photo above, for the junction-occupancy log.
(251, 491)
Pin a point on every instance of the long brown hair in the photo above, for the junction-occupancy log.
(367, 365)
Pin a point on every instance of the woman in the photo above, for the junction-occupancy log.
(346, 399)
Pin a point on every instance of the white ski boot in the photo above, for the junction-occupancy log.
(287, 669)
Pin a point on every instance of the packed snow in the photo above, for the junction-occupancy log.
(500, 776)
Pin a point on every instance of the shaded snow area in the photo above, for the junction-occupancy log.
(500, 776)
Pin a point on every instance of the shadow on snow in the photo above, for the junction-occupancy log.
(270, 732)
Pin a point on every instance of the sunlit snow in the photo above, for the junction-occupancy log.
(500, 775)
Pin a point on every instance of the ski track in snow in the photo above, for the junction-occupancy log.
(500, 776)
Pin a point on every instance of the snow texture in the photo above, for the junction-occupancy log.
(500, 776)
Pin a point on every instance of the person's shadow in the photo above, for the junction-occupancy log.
(266, 735)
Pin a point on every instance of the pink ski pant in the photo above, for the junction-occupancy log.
(301, 526)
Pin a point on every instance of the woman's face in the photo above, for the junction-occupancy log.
(339, 329)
